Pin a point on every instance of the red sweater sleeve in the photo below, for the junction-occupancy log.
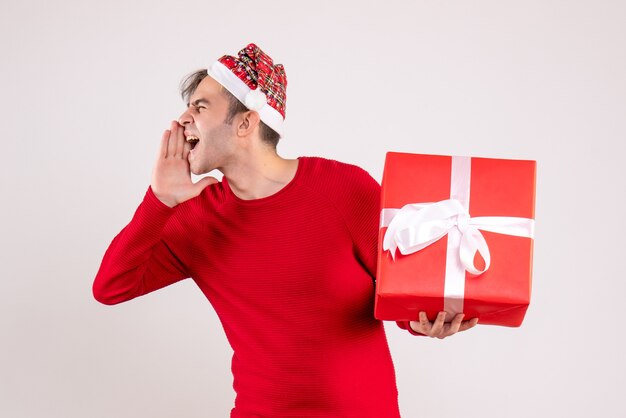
(139, 260)
(360, 210)
(363, 223)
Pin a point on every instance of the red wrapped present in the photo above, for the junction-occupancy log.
(457, 236)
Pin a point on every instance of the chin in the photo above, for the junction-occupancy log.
(199, 171)
(194, 170)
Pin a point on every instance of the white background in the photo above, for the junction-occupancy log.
(86, 89)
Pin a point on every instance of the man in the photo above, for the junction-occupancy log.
(285, 250)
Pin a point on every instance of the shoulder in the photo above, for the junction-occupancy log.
(347, 187)
(326, 174)
(351, 192)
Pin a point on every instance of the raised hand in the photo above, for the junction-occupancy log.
(440, 329)
(171, 177)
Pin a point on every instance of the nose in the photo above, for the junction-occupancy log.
(185, 118)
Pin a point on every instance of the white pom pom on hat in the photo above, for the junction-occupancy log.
(255, 99)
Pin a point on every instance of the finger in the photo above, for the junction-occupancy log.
(180, 141)
(415, 327)
(455, 325)
(171, 147)
(424, 323)
(468, 324)
(438, 325)
(186, 149)
(163, 145)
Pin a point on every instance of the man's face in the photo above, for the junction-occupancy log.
(204, 119)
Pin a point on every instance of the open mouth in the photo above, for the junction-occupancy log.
(192, 140)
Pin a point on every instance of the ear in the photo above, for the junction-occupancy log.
(247, 123)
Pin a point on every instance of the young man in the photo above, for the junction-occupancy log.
(285, 250)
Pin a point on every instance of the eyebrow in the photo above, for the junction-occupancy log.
(197, 102)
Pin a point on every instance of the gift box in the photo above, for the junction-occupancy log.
(457, 236)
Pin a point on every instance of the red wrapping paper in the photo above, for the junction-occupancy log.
(415, 282)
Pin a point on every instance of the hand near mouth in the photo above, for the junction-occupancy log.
(171, 177)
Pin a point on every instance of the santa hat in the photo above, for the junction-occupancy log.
(253, 78)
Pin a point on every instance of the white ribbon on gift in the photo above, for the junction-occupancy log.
(417, 225)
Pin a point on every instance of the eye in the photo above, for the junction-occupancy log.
(194, 107)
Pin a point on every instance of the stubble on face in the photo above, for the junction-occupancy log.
(214, 150)
(216, 145)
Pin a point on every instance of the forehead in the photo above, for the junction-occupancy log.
(207, 89)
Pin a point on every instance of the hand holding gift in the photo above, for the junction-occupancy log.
(439, 328)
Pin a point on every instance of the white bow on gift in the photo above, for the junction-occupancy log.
(418, 225)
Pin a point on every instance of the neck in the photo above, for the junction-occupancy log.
(256, 175)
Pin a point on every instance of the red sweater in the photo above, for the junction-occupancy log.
(291, 277)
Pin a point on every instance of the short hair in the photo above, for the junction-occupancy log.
(190, 84)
